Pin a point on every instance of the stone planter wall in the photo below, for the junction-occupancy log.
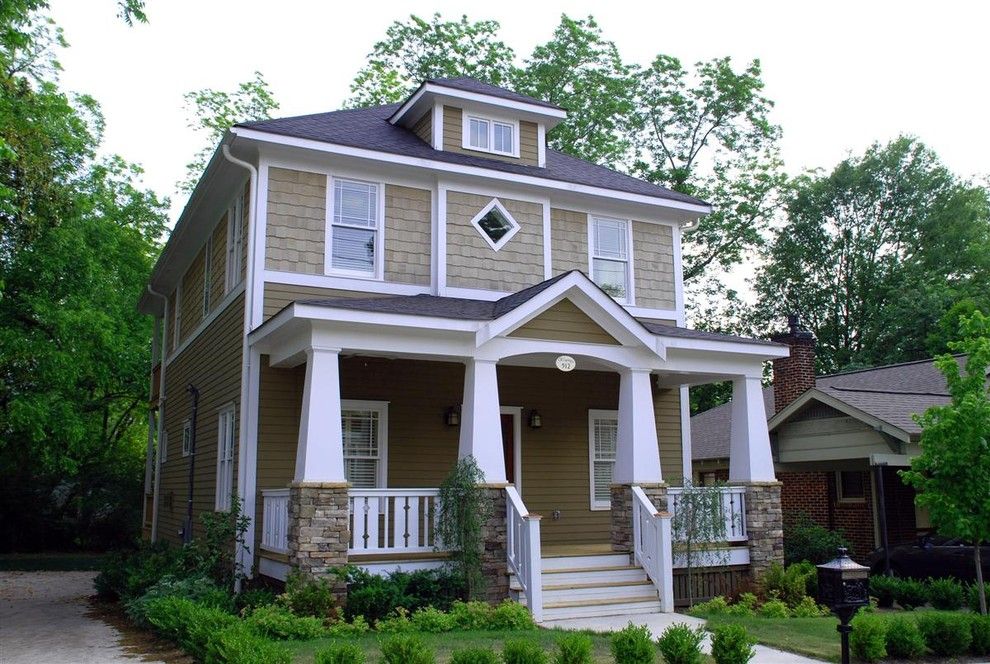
(494, 559)
(764, 526)
(622, 524)
(318, 529)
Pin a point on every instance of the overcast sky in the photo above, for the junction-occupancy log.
(842, 74)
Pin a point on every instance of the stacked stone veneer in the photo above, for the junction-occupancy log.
(764, 526)
(494, 556)
(319, 530)
(622, 512)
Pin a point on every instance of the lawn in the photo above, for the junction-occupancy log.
(814, 637)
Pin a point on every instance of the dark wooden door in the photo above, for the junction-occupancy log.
(509, 447)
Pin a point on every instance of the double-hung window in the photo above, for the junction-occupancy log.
(356, 228)
(603, 430)
(490, 135)
(187, 438)
(235, 243)
(610, 256)
(364, 425)
(225, 458)
(163, 448)
(207, 275)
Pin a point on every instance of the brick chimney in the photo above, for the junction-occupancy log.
(794, 375)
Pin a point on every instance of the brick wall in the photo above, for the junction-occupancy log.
(814, 494)
(793, 375)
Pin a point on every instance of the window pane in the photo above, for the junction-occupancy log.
(360, 429)
(478, 133)
(361, 473)
(603, 481)
(355, 203)
(610, 277)
(503, 137)
(852, 484)
(495, 225)
(606, 432)
(353, 249)
(610, 238)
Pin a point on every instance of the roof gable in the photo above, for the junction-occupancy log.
(564, 321)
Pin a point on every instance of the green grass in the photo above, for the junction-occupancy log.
(814, 637)
(54, 562)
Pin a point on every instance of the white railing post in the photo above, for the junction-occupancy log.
(665, 560)
(652, 546)
(534, 594)
(524, 554)
(393, 520)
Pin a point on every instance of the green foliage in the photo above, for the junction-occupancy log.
(396, 623)
(574, 648)
(198, 589)
(973, 597)
(474, 656)
(946, 594)
(206, 621)
(356, 627)
(633, 645)
(805, 540)
(376, 596)
(238, 644)
(946, 634)
(511, 615)
(809, 608)
(732, 644)
(432, 620)
(523, 651)
(868, 640)
(406, 649)
(789, 584)
(472, 615)
(279, 623)
(214, 552)
(187, 623)
(714, 607)
(775, 608)
(250, 599)
(463, 510)
(340, 653)
(309, 596)
(884, 588)
(904, 639)
(679, 644)
(129, 574)
(698, 528)
(910, 594)
(980, 630)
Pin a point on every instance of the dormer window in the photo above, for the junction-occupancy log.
(491, 135)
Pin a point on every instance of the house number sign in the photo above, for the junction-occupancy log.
(566, 363)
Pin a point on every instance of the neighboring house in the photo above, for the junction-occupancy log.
(838, 443)
(361, 297)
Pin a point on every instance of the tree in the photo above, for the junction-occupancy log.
(461, 516)
(698, 527)
(212, 112)
(419, 49)
(951, 473)
(873, 254)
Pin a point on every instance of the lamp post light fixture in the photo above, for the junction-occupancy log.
(844, 587)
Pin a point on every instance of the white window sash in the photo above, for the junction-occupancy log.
(177, 317)
(378, 230)
(225, 459)
(595, 253)
(380, 408)
(207, 275)
(468, 143)
(235, 242)
(595, 460)
(163, 447)
(186, 438)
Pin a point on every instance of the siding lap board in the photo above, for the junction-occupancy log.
(564, 321)
(408, 227)
(568, 240)
(296, 221)
(653, 258)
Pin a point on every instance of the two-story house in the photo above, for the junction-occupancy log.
(351, 301)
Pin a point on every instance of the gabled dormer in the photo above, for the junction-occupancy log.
(470, 117)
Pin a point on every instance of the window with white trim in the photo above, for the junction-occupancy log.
(207, 274)
(355, 228)
(610, 256)
(365, 435)
(225, 458)
(490, 135)
(163, 447)
(235, 242)
(603, 430)
(495, 224)
(177, 317)
(186, 437)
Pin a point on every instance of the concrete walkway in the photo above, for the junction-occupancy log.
(46, 617)
(658, 622)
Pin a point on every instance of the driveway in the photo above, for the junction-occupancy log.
(47, 617)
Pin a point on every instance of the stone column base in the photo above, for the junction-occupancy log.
(764, 526)
(319, 531)
(494, 555)
(622, 511)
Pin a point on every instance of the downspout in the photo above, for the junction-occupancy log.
(188, 529)
(161, 413)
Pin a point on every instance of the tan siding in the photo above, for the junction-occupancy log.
(191, 301)
(472, 263)
(564, 321)
(568, 240)
(661, 321)
(218, 264)
(277, 296)
(408, 227)
(653, 257)
(424, 127)
(453, 139)
(828, 438)
(667, 410)
(297, 219)
(212, 362)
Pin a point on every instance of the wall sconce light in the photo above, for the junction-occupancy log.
(535, 420)
(452, 417)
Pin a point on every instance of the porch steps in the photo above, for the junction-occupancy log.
(585, 586)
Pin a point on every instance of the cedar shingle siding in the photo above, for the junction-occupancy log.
(408, 226)
(453, 139)
(653, 265)
(568, 240)
(297, 214)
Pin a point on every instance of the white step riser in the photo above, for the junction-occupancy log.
(601, 592)
(596, 611)
(606, 576)
(571, 562)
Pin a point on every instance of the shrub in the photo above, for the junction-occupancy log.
(198, 589)
(633, 645)
(574, 649)
(375, 597)
(511, 615)
(472, 615)
(946, 634)
(206, 621)
(279, 623)
(809, 608)
(775, 609)
(980, 630)
(679, 644)
(714, 607)
(732, 644)
(946, 594)
(789, 584)
(868, 639)
(973, 597)
(169, 616)
(397, 623)
(406, 649)
(521, 651)
(884, 588)
(238, 644)
(356, 627)
(249, 600)
(806, 540)
(474, 656)
(432, 620)
(748, 601)
(214, 553)
(904, 639)
(308, 596)
(910, 594)
(129, 574)
(340, 653)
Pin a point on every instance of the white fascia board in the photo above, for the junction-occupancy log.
(409, 321)
(618, 357)
(768, 351)
(463, 95)
(459, 169)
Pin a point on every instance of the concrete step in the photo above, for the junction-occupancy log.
(615, 606)
(583, 562)
(556, 577)
(578, 592)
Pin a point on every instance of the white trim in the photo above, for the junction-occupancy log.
(541, 145)
(380, 407)
(186, 437)
(687, 461)
(437, 125)
(676, 239)
(434, 232)
(593, 415)
(205, 323)
(274, 569)
(628, 299)
(460, 169)
(235, 243)
(516, 412)
(467, 116)
(495, 204)
(443, 91)
(441, 252)
(378, 270)
(222, 503)
(829, 400)
(658, 314)
(547, 242)
(339, 282)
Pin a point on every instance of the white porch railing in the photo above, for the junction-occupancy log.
(733, 509)
(524, 551)
(393, 520)
(275, 520)
(652, 546)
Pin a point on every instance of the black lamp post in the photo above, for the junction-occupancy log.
(844, 587)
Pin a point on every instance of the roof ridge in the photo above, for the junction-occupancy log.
(886, 366)
(304, 116)
(878, 391)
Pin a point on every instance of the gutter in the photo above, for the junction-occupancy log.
(161, 413)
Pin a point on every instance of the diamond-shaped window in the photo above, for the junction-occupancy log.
(495, 224)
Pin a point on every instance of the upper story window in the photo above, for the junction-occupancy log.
(610, 256)
(491, 135)
(495, 224)
(235, 243)
(355, 235)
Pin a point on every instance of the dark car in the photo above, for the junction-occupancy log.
(935, 557)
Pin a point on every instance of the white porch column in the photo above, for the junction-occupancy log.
(481, 423)
(637, 453)
(320, 453)
(749, 443)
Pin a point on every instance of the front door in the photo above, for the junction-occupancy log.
(509, 447)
